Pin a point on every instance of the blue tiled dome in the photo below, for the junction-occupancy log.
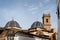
(37, 24)
(12, 24)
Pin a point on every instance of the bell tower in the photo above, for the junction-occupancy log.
(46, 21)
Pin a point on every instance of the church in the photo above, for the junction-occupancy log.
(37, 31)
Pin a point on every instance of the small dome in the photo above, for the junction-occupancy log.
(12, 24)
(37, 24)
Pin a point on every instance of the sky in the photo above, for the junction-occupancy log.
(25, 12)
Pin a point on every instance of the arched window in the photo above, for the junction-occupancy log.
(47, 20)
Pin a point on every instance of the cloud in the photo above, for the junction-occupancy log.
(50, 8)
(22, 12)
(25, 4)
(46, 1)
(40, 4)
(33, 8)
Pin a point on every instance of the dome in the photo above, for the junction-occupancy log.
(12, 24)
(37, 24)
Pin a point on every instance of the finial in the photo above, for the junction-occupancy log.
(12, 18)
(36, 18)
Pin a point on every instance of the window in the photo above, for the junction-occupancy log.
(47, 20)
